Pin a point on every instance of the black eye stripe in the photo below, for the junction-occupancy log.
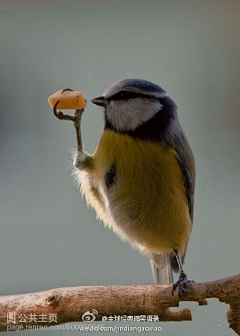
(124, 95)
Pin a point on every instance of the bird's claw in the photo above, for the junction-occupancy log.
(181, 284)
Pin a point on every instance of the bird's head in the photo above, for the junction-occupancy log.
(130, 103)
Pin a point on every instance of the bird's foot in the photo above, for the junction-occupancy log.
(181, 284)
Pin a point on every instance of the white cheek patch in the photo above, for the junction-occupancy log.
(128, 115)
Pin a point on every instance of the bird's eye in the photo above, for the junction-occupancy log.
(122, 95)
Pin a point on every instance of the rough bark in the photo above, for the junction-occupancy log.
(71, 303)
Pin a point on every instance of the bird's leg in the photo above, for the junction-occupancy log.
(183, 279)
(81, 159)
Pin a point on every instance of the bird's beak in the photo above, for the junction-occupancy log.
(100, 101)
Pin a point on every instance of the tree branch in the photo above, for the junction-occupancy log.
(71, 303)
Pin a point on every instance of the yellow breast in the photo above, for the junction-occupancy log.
(148, 201)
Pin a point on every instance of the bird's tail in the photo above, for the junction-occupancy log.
(161, 268)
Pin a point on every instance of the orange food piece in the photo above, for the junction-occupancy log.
(69, 100)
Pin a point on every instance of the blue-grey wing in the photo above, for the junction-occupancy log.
(186, 162)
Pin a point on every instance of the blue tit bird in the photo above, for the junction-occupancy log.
(140, 180)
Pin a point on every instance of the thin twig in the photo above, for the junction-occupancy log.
(76, 119)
